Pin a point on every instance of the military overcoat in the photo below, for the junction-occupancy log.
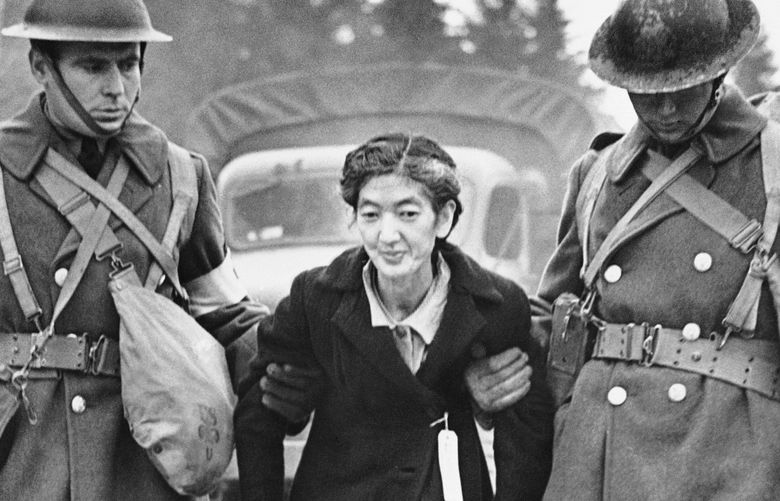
(81, 449)
(719, 441)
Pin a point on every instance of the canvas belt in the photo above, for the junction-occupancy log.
(82, 353)
(751, 364)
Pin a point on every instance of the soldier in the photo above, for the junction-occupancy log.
(88, 57)
(669, 269)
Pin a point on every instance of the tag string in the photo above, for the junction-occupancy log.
(442, 420)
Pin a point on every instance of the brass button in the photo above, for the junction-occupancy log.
(613, 273)
(691, 332)
(617, 395)
(78, 404)
(60, 275)
(677, 392)
(702, 262)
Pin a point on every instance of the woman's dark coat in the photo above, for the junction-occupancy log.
(371, 437)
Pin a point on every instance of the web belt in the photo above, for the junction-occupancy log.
(751, 364)
(81, 353)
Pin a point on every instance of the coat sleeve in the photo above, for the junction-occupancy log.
(218, 300)
(523, 433)
(259, 431)
(562, 272)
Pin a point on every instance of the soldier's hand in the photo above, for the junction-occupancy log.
(500, 381)
(291, 391)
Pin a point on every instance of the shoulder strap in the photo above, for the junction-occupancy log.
(92, 235)
(12, 263)
(184, 188)
(659, 184)
(76, 176)
(74, 203)
(586, 202)
(743, 313)
(184, 183)
(741, 232)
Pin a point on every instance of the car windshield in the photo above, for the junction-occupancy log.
(287, 210)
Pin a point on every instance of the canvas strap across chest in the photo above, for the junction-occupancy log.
(744, 234)
(73, 191)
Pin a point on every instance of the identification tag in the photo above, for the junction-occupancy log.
(448, 462)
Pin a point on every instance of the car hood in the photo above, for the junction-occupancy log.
(268, 273)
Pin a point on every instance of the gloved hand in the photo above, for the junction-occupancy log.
(497, 382)
(291, 391)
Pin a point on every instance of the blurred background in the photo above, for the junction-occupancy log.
(275, 92)
(218, 43)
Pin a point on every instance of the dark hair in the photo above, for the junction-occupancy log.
(51, 48)
(416, 157)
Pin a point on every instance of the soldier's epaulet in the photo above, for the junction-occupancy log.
(605, 139)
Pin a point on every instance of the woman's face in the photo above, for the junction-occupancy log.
(398, 226)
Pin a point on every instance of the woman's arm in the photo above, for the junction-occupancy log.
(260, 430)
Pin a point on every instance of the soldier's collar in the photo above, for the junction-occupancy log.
(733, 126)
(25, 138)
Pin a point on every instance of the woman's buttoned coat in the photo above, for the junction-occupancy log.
(371, 436)
(676, 435)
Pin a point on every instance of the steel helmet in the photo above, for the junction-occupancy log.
(654, 46)
(87, 21)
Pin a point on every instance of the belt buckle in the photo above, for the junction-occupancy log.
(117, 265)
(747, 237)
(650, 336)
(586, 305)
(730, 329)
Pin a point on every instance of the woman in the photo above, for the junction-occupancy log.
(391, 325)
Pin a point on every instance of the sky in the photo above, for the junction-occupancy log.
(585, 16)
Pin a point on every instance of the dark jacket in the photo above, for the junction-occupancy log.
(371, 437)
(720, 442)
(91, 455)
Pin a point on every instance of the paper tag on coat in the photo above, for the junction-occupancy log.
(448, 465)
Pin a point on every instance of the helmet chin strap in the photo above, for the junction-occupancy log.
(706, 114)
(709, 110)
(74, 103)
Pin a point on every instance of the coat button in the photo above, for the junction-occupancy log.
(677, 392)
(78, 404)
(691, 332)
(702, 262)
(60, 275)
(613, 274)
(617, 395)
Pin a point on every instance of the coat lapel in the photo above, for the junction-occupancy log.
(25, 138)
(662, 207)
(461, 323)
(722, 138)
(134, 195)
(375, 344)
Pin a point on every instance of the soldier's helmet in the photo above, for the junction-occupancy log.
(654, 46)
(87, 21)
